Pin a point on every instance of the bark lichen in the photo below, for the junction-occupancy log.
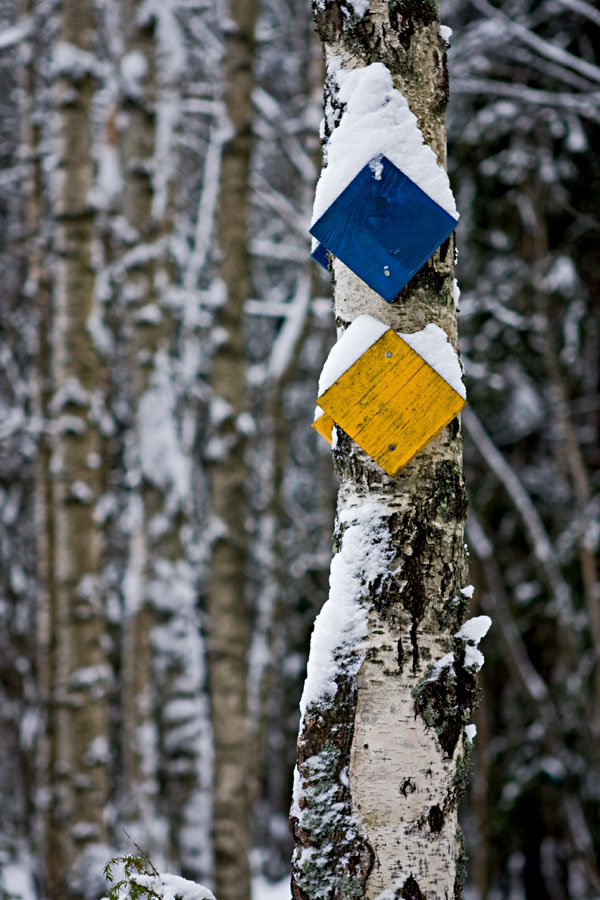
(446, 697)
(332, 859)
(461, 864)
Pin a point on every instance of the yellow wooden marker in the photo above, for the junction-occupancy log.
(324, 425)
(390, 400)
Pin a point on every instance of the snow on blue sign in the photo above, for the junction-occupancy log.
(383, 227)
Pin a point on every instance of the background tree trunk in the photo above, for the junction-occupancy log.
(226, 598)
(79, 671)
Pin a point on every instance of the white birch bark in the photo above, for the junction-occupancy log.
(382, 760)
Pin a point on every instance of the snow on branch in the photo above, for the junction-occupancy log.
(266, 197)
(72, 61)
(209, 196)
(10, 37)
(471, 633)
(174, 887)
(288, 339)
(269, 126)
(140, 879)
(532, 523)
(586, 106)
(545, 48)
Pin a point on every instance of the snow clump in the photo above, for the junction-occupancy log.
(342, 623)
(471, 633)
(470, 732)
(377, 122)
(173, 887)
(431, 344)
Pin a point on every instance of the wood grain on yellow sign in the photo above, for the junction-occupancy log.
(324, 425)
(390, 401)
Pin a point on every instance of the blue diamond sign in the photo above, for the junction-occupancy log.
(383, 227)
(319, 254)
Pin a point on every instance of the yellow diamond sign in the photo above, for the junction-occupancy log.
(391, 400)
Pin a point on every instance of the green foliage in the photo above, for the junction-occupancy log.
(128, 887)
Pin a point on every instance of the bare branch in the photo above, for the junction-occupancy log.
(207, 204)
(534, 527)
(10, 37)
(583, 8)
(543, 47)
(587, 107)
(286, 343)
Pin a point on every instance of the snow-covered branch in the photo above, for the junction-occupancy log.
(533, 525)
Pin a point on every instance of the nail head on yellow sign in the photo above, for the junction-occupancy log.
(390, 399)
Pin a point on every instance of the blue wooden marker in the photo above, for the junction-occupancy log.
(384, 229)
(319, 254)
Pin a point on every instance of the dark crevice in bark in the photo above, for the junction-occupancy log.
(334, 110)
(426, 279)
(450, 497)
(445, 700)
(443, 249)
(410, 890)
(337, 20)
(442, 87)
(415, 646)
(408, 787)
(408, 17)
(435, 818)
(437, 814)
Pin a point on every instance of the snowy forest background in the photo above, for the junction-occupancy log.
(161, 333)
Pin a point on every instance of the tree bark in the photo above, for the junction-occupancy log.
(228, 619)
(19, 747)
(380, 769)
(165, 733)
(79, 671)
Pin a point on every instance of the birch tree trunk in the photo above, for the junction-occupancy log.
(382, 763)
(166, 735)
(228, 620)
(79, 672)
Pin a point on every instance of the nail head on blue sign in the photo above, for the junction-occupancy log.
(384, 227)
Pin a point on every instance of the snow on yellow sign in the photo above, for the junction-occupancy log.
(390, 393)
